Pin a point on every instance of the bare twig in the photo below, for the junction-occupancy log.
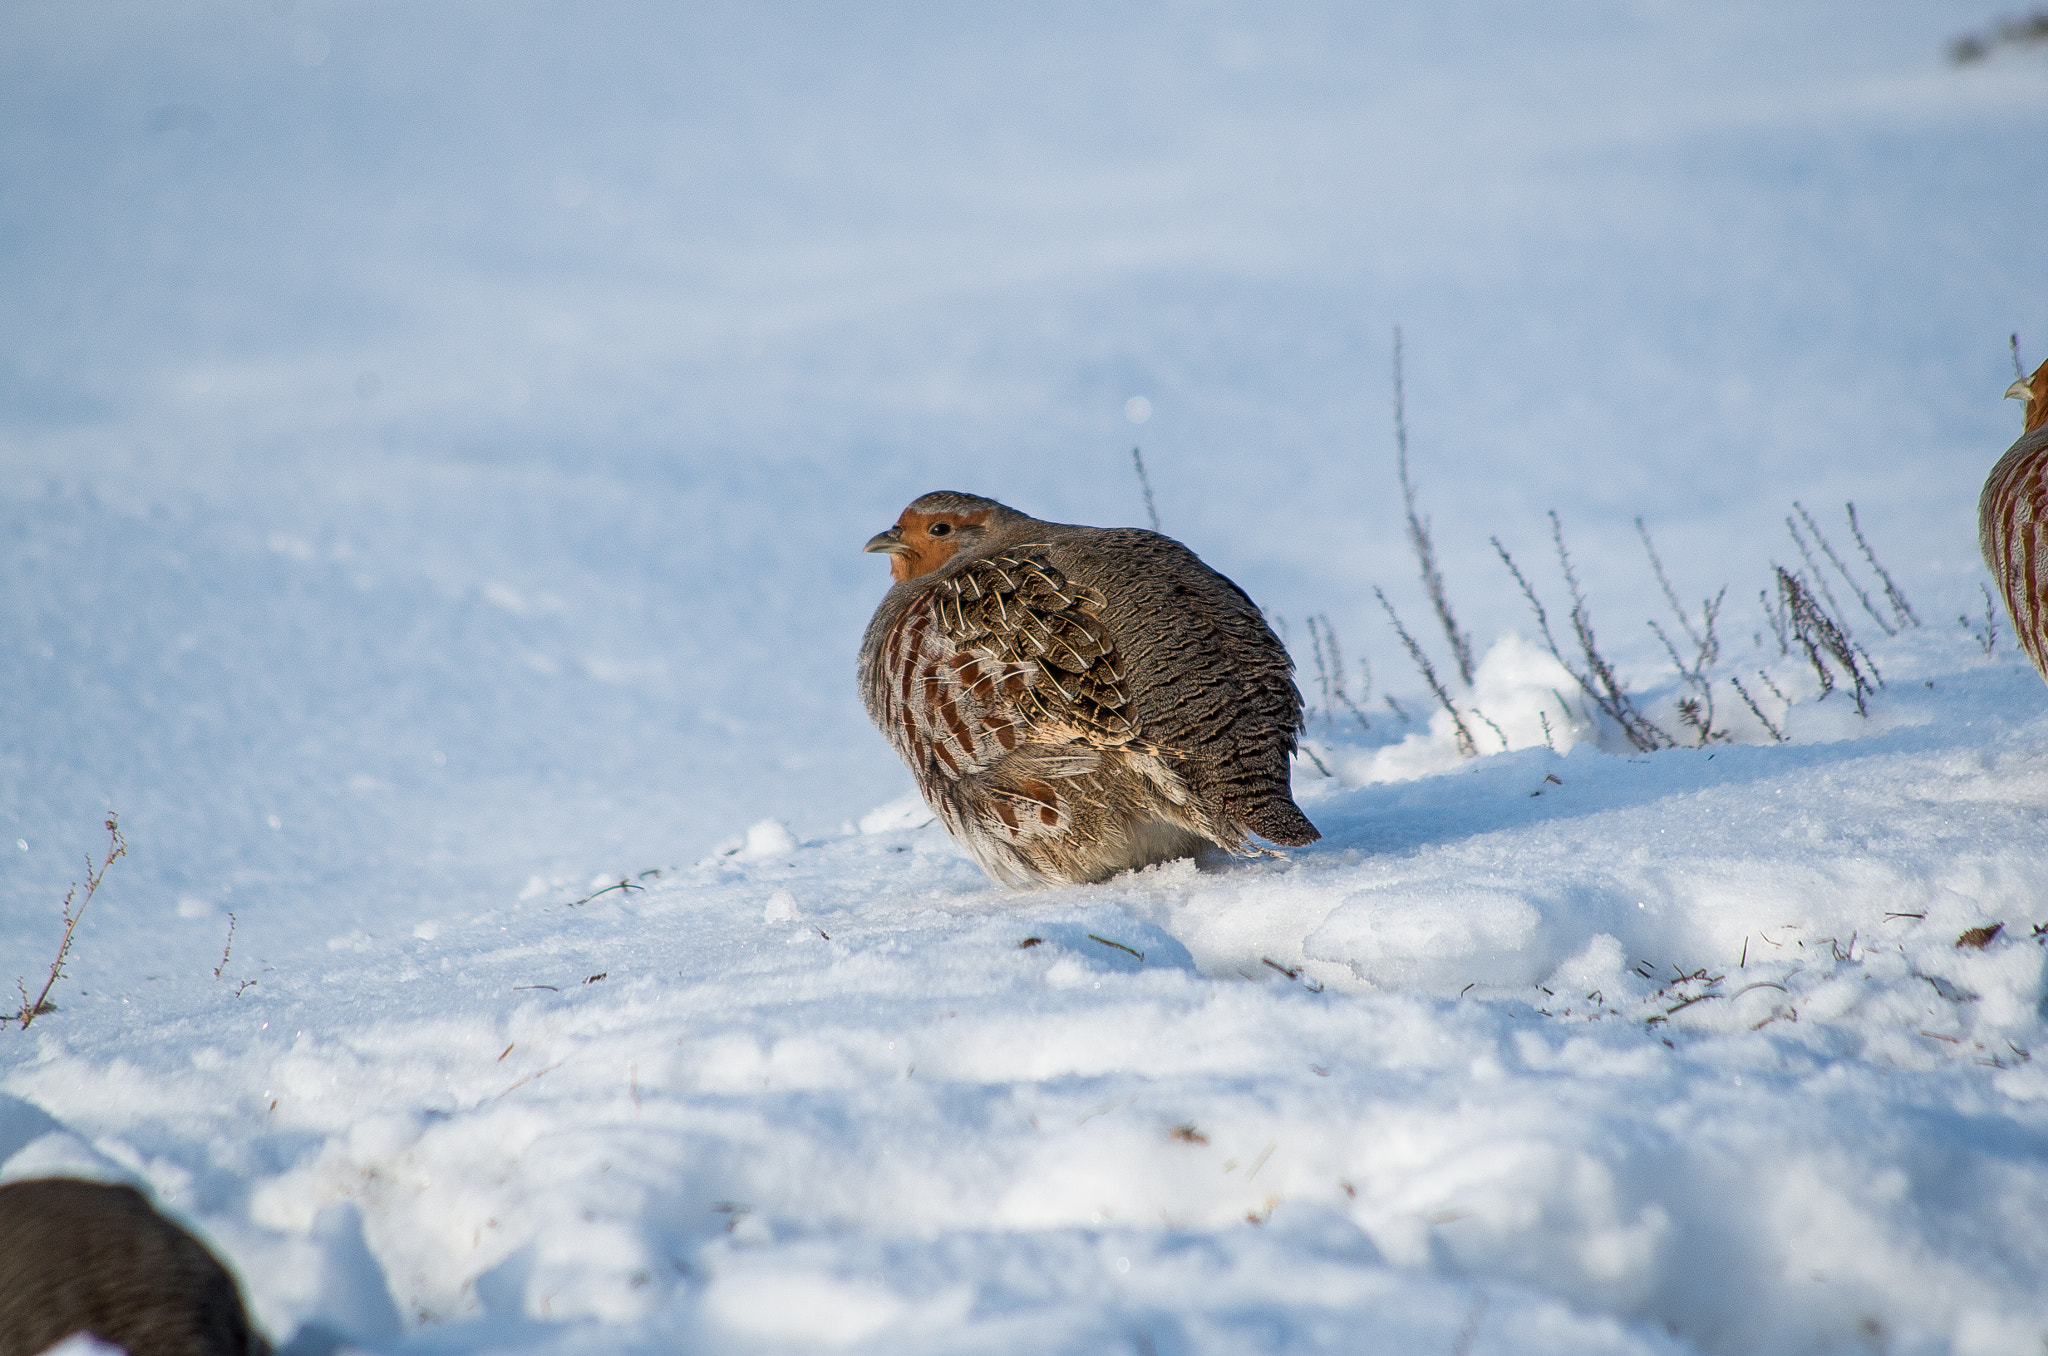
(1145, 484)
(1535, 604)
(2017, 370)
(621, 884)
(1118, 945)
(230, 946)
(1338, 682)
(117, 848)
(1777, 735)
(1599, 681)
(1987, 636)
(1604, 686)
(1819, 634)
(1428, 671)
(1820, 581)
(1315, 637)
(1828, 549)
(1418, 532)
(1774, 613)
(1497, 732)
(1670, 594)
(1902, 611)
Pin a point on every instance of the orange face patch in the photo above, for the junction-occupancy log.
(930, 540)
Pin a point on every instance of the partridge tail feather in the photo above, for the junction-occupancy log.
(1279, 821)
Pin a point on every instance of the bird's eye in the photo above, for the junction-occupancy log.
(939, 529)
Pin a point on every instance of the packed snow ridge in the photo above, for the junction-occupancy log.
(1717, 1049)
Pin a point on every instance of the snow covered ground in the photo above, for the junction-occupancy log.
(435, 446)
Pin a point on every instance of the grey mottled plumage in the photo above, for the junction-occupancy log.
(83, 1257)
(1076, 701)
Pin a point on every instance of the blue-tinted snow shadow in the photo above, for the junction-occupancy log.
(1122, 944)
(1511, 791)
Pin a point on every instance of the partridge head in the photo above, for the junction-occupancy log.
(1077, 701)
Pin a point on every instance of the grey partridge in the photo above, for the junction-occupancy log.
(2012, 521)
(85, 1257)
(1078, 701)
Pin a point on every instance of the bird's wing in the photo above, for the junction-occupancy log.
(1006, 652)
(1019, 612)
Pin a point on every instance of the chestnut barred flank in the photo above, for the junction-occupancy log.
(1078, 701)
(2012, 522)
(82, 1257)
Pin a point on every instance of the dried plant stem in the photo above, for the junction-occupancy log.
(1822, 637)
(226, 948)
(1335, 686)
(1418, 532)
(1315, 637)
(1828, 549)
(1813, 570)
(1987, 635)
(1145, 484)
(1598, 679)
(1670, 594)
(1902, 611)
(1498, 733)
(117, 848)
(1776, 734)
(1774, 613)
(1428, 671)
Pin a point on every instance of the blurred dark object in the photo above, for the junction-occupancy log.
(86, 1257)
(2031, 31)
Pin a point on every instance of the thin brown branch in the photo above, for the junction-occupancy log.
(117, 848)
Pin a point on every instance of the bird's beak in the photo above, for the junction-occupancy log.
(889, 543)
(2019, 390)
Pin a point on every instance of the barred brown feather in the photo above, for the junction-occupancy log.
(1077, 701)
(2012, 522)
(85, 1257)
